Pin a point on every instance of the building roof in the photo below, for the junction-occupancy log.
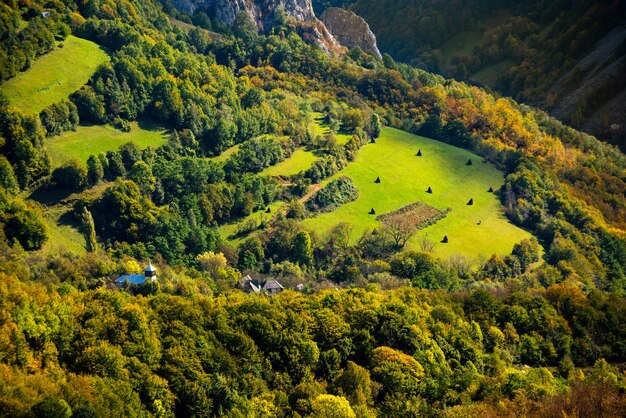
(132, 279)
(150, 268)
(272, 284)
(256, 286)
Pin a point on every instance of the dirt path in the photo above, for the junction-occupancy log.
(314, 189)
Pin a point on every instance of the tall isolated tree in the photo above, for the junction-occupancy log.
(302, 249)
(89, 230)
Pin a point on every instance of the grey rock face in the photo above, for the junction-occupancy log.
(261, 11)
(350, 29)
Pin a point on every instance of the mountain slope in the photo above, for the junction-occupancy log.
(531, 46)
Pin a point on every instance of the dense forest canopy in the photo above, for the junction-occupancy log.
(377, 328)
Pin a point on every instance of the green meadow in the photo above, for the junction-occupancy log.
(317, 127)
(226, 154)
(228, 231)
(89, 140)
(488, 75)
(475, 231)
(54, 76)
(298, 161)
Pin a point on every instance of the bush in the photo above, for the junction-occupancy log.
(28, 228)
(71, 175)
(336, 193)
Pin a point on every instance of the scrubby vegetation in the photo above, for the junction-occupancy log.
(377, 329)
(334, 194)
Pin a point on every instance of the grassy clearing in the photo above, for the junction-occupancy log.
(461, 44)
(63, 234)
(300, 160)
(228, 231)
(94, 139)
(319, 128)
(189, 27)
(226, 154)
(54, 76)
(63, 231)
(404, 180)
(488, 75)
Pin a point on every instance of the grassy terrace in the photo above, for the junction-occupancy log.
(54, 76)
(94, 139)
(318, 128)
(300, 160)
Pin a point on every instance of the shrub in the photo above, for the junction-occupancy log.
(71, 175)
(337, 192)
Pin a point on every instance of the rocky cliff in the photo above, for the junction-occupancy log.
(350, 29)
(263, 13)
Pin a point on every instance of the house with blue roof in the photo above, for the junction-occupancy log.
(149, 274)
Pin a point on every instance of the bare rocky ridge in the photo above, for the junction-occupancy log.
(262, 12)
(350, 29)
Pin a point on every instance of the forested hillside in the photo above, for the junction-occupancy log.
(374, 325)
(564, 56)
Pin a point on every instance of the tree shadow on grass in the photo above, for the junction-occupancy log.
(150, 125)
(68, 219)
(50, 195)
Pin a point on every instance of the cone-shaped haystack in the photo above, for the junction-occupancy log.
(269, 210)
(429, 190)
(373, 211)
(469, 162)
(377, 180)
(471, 202)
(490, 190)
(419, 153)
(445, 239)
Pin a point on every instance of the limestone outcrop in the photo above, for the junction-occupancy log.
(263, 13)
(350, 29)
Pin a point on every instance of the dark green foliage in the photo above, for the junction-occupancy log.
(51, 407)
(251, 253)
(255, 155)
(59, 117)
(22, 223)
(90, 106)
(114, 167)
(337, 192)
(22, 145)
(7, 176)
(71, 175)
(95, 170)
(22, 45)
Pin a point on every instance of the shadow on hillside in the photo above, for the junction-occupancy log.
(50, 195)
(68, 219)
(150, 125)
